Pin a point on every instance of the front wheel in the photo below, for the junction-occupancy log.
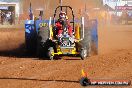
(50, 53)
(84, 53)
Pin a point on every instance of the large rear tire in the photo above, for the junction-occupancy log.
(30, 43)
(30, 39)
(49, 53)
(84, 53)
(42, 38)
(85, 45)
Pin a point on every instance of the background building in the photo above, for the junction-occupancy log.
(20, 8)
(10, 10)
(119, 5)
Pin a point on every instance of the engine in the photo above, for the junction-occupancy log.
(66, 40)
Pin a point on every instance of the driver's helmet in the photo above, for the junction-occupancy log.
(62, 15)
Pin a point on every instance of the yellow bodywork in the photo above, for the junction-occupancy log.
(77, 32)
(66, 50)
(61, 52)
(51, 32)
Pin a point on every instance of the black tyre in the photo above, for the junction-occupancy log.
(30, 43)
(42, 38)
(43, 34)
(85, 81)
(49, 53)
(40, 50)
(85, 45)
(83, 53)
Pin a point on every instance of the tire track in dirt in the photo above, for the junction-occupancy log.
(92, 61)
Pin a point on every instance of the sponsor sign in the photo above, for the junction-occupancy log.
(110, 82)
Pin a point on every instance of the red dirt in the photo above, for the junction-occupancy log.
(113, 62)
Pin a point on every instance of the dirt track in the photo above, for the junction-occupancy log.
(113, 62)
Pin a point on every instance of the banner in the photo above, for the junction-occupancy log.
(3, 7)
(123, 7)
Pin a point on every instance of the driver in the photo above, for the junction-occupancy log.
(63, 23)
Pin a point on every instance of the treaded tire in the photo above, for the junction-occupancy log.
(49, 53)
(85, 43)
(30, 43)
(42, 38)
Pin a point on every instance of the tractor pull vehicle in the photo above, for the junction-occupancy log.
(41, 36)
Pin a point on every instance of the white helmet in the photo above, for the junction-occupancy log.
(62, 15)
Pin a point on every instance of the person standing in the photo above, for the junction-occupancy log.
(2, 17)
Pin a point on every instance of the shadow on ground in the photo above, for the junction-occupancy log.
(19, 52)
